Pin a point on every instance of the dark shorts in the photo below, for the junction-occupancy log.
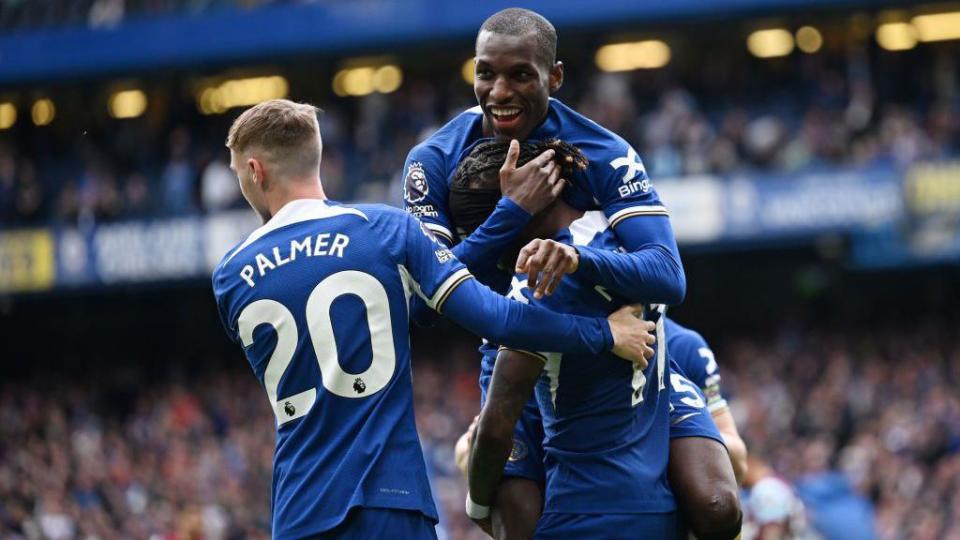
(607, 526)
(365, 523)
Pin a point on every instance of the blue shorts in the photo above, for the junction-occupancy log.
(363, 523)
(689, 416)
(526, 458)
(607, 526)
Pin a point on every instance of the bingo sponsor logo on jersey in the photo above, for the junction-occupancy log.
(635, 178)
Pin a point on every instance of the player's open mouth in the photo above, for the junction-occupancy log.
(505, 117)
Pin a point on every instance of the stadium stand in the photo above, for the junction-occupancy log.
(815, 198)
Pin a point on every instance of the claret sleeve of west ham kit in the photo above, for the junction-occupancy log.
(650, 271)
(434, 273)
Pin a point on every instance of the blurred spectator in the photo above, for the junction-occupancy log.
(178, 176)
(219, 186)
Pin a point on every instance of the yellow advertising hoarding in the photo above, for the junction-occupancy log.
(26, 261)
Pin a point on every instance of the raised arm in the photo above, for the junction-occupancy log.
(649, 268)
(515, 324)
(650, 273)
(448, 288)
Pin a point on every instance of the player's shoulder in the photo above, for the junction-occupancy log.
(598, 143)
(450, 137)
(294, 213)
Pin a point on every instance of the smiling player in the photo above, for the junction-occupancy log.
(318, 298)
(516, 72)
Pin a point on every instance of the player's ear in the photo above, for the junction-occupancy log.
(256, 172)
(556, 76)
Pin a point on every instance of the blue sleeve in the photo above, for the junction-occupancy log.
(425, 190)
(447, 286)
(425, 196)
(650, 270)
(222, 310)
(705, 372)
(482, 250)
(522, 326)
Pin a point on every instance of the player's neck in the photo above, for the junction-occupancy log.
(296, 190)
(558, 217)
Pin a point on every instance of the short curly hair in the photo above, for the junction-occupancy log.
(520, 22)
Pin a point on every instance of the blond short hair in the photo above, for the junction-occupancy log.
(285, 134)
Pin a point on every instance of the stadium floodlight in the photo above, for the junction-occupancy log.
(897, 36)
(127, 104)
(387, 79)
(468, 69)
(770, 43)
(8, 115)
(365, 80)
(648, 54)
(218, 98)
(809, 39)
(937, 26)
(42, 112)
(359, 81)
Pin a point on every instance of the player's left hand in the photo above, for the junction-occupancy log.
(545, 262)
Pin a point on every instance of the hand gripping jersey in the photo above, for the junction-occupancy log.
(319, 298)
(606, 424)
(696, 362)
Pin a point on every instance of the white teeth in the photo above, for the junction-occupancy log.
(504, 111)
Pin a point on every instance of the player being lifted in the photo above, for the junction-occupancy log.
(516, 71)
(318, 298)
(600, 442)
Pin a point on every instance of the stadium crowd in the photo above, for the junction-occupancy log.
(172, 162)
(26, 15)
(177, 458)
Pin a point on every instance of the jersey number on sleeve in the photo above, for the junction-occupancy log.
(320, 328)
(683, 386)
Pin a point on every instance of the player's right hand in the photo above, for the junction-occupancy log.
(633, 337)
(535, 185)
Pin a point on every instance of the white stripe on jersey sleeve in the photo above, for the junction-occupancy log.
(439, 229)
(447, 287)
(443, 291)
(652, 210)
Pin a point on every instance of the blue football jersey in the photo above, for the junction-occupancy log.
(606, 424)
(696, 362)
(318, 298)
(615, 180)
